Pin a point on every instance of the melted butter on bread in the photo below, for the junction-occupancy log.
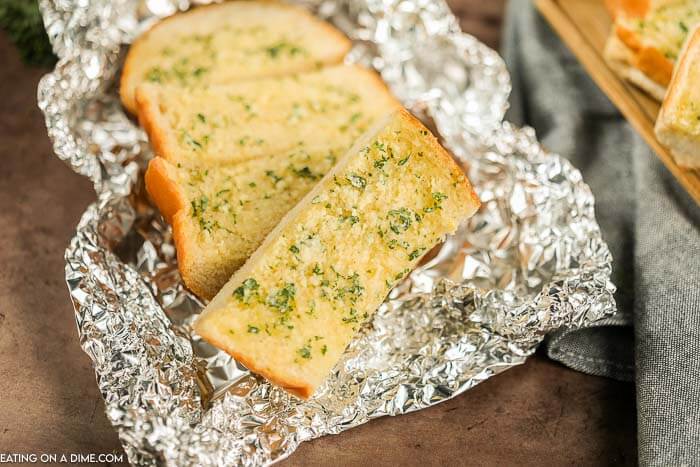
(227, 42)
(291, 310)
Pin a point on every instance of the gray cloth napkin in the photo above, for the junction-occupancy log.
(651, 226)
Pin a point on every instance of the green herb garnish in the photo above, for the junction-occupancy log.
(247, 289)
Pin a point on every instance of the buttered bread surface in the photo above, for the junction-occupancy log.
(229, 42)
(292, 309)
(328, 108)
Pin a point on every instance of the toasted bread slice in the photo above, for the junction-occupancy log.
(224, 197)
(655, 30)
(229, 42)
(620, 58)
(678, 123)
(290, 311)
(237, 122)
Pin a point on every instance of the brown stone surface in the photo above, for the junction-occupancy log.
(537, 414)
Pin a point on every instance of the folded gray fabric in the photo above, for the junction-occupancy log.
(651, 225)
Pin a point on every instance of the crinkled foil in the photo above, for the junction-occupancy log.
(531, 261)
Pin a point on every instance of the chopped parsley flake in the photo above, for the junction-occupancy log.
(155, 75)
(199, 205)
(283, 299)
(253, 329)
(275, 178)
(279, 48)
(247, 289)
(305, 172)
(399, 220)
(416, 253)
(379, 163)
(305, 352)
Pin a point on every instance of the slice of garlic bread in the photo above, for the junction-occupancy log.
(229, 42)
(678, 122)
(237, 122)
(291, 310)
(221, 214)
(655, 30)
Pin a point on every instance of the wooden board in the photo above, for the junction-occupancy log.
(584, 26)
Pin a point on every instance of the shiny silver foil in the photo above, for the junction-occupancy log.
(531, 261)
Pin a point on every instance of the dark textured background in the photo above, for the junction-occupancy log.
(538, 414)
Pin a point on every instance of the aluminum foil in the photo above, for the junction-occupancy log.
(531, 261)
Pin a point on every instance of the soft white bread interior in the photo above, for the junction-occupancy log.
(290, 311)
(228, 42)
(233, 159)
(678, 123)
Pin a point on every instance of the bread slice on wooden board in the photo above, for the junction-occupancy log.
(620, 58)
(229, 42)
(224, 196)
(236, 122)
(290, 311)
(678, 123)
(654, 31)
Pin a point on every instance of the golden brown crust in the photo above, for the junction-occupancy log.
(655, 65)
(172, 204)
(648, 60)
(163, 190)
(185, 256)
(632, 8)
(127, 90)
(150, 119)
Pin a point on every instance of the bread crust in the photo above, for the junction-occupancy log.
(633, 8)
(128, 83)
(170, 200)
(153, 122)
(163, 190)
(648, 59)
(619, 57)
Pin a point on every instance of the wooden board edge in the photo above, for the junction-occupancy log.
(614, 88)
